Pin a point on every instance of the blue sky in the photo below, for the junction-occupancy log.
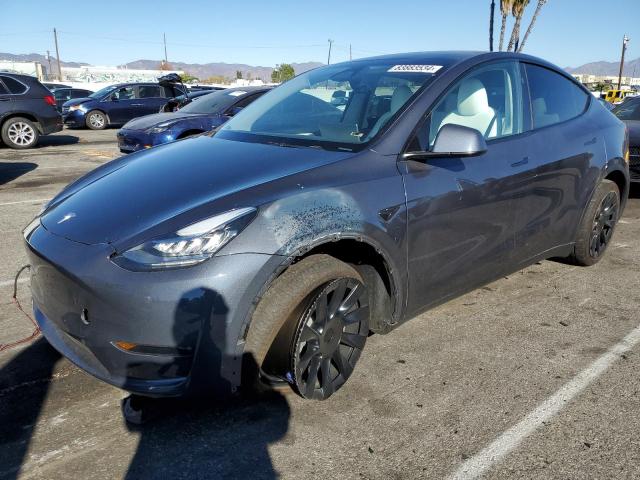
(568, 33)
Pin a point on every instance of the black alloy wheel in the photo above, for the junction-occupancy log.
(329, 339)
(603, 224)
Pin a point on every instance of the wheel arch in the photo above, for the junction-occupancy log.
(618, 177)
(353, 249)
(29, 116)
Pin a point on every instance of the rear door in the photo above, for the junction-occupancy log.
(562, 146)
(461, 209)
(150, 99)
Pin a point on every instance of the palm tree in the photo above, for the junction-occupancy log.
(493, 9)
(519, 6)
(533, 21)
(505, 9)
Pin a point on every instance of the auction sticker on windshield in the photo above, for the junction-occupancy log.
(415, 68)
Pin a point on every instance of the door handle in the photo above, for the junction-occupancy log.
(590, 142)
(136, 104)
(524, 161)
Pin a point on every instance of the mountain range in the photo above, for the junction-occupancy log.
(206, 70)
(631, 68)
(202, 71)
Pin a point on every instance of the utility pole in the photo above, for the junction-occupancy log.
(493, 9)
(625, 40)
(329, 56)
(55, 37)
(49, 60)
(164, 38)
(350, 57)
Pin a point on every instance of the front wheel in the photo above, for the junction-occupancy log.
(19, 133)
(598, 224)
(309, 328)
(96, 120)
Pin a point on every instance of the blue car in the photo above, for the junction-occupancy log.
(117, 104)
(201, 115)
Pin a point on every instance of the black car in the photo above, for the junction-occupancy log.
(269, 249)
(27, 110)
(52, 86)
(629, 113)
(64, 94)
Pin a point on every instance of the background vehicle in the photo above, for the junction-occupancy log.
(605, 104)
(63, 95)
(52, 86)
(27, 110)
(207, 112)
(117, 104)
(629, 113)
(270, 249)
(618, 96)
(195, 88)
(181, 100)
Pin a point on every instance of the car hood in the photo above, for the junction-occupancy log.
(143, 193)
(634, 132)
(148, 121)
(77, 101)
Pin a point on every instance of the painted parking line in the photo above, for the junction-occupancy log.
(478, 464)
(36, 200)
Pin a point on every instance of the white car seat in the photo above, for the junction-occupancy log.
(473, 109)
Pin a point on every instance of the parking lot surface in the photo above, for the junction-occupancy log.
(532, 376)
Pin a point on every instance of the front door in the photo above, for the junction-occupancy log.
(461, 210)
(123, 105)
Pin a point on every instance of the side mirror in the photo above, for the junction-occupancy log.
(453, 141)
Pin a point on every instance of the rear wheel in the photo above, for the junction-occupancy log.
(19, 133)
(309, 328)
(96, 120)
(598, 224)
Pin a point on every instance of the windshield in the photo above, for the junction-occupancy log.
(339, 106)
(215, 102)
(103, 91)
(628, 111)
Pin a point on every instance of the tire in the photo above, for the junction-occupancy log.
(279, 334)
(598, 224)
(20, 133)
(96, 120)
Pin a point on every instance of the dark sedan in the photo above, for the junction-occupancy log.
(64, 94)
(201, 115)
(267, 251)
(629, 113)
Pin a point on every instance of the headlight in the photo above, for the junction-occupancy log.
(161, 127)
(73, 108)
(188, 246)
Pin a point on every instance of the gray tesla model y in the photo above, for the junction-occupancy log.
(268, 250)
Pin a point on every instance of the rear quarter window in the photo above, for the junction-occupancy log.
(554, 98)
(15, 87)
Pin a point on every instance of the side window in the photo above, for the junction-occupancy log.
(170, 92)
(15, 87)
(125, 93)
(148, 91)
(62, 94)
(488, 99)
(554, 98)
(246, 101)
